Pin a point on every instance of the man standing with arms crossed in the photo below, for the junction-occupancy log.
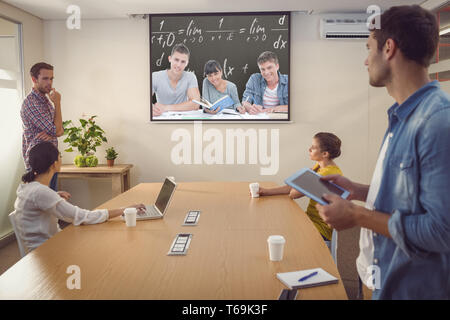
(405, 234)
(41, 120)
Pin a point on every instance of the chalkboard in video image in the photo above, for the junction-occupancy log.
(245, 57)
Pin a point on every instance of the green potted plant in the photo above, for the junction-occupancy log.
(111, 154)
(86, 138)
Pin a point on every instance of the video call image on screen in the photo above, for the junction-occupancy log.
(310, 182)
(235, 41)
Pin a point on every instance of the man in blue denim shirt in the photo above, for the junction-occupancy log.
(405, 234)
(266, 91)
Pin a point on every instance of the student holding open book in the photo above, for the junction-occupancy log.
(215, 88)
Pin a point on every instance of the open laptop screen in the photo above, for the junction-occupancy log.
(164, 195)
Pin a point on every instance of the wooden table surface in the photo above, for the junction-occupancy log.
(227, 259)
(101, 168)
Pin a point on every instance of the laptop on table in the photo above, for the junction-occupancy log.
(157, 210)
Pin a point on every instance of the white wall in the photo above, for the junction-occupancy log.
(7, 28)
(11, 131)
(103, 69)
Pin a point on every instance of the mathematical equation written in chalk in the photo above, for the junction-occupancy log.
(195, 33)
(233, 40)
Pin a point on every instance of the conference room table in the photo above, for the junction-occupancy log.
(228, 257)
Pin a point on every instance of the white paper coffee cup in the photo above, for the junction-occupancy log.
(130, 216)
(276, 247)
(254, 189)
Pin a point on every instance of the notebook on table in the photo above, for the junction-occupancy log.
(291, 279)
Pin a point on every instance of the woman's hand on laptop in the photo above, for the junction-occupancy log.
(139, 207)
(118, 212)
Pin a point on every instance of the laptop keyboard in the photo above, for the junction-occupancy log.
(150, 211)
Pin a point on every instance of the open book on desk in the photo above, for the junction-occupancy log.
(231, 111)
(221, 103)
(306, 278)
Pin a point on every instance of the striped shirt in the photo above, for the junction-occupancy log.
(270, 98)
(38, 116)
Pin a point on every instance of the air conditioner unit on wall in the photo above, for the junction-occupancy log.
(344, 26)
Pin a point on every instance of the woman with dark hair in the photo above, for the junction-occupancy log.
(215, 87)
(324, 149)
(38, 207)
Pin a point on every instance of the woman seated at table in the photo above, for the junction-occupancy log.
(324, 149)
(215, 87)
(38, 207)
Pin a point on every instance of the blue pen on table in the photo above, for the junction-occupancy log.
(308, 276)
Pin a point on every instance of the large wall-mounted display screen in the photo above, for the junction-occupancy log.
(220, 66)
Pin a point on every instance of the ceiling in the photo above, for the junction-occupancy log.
(109, 9)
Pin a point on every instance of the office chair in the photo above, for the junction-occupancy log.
(334, 245)
(22, 250)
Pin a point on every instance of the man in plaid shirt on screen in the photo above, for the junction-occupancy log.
(42, 120)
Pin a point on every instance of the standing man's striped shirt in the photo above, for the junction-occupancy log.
(38, 116)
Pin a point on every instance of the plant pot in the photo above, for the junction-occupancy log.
(80, 161)
(110, 162)
(86, 161)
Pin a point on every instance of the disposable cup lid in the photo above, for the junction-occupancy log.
(276, 239)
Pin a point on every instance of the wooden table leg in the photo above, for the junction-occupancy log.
(117, 184)
(126, 181)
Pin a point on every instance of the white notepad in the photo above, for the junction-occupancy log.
(290, 279)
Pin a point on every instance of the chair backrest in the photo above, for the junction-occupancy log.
(12, 218)
(334, 245)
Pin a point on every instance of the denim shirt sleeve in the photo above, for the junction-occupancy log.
(252, 93)
(418, 234)
(283, 89)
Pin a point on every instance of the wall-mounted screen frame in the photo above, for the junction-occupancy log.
(235, 41)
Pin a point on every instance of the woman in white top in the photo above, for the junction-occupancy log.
(38, 207)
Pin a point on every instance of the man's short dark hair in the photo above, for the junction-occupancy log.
(414, 30)
(267, 56)
(180, 48)
(36, 69)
